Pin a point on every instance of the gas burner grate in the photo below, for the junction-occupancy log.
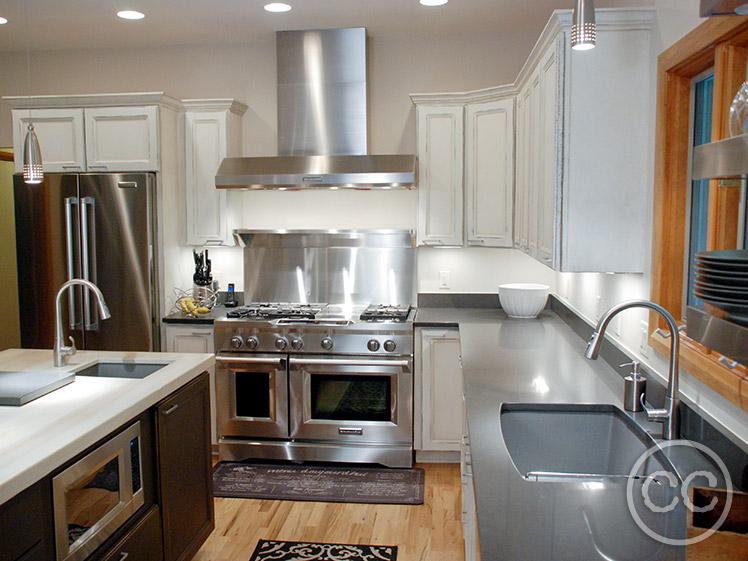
(385, 313)
(276, 310)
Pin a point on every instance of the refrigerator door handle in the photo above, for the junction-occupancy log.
(88, 236)
(70, 203)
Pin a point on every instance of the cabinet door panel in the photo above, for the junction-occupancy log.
(60, 134)
(122, 138)
(536, 159)
(206, 144)
(142, 543)
(441, 390)
(490, 173)
(549, 139)
(184, 460)
(26, 527)
(440, 142)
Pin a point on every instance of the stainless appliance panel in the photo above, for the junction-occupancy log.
(252, 396)
(48, 254)
(117, 256)
(96, 495)
(309, 423)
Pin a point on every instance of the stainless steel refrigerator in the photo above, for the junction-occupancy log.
(99, 227)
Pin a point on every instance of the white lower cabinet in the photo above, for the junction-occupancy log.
(184, 338)
(438, 403)
(469, 517)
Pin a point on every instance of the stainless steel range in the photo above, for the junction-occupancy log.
(316, 381)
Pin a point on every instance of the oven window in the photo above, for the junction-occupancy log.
(253, 394)
(91, 499)
(341, 397)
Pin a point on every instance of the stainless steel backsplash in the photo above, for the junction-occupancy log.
(338, 267)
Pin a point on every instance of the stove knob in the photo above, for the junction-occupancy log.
(326, 343)
(253, 343)
(281, 343)
(373, 345)
(389, 345)
(236, 342)
(297, 344)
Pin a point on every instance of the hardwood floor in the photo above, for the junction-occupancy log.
(431, 531)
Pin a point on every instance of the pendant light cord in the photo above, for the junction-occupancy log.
(28, 54)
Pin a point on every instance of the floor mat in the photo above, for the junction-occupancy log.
(319, 483)
(267, 550)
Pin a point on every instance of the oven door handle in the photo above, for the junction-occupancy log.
(248, 360)
(348, 362)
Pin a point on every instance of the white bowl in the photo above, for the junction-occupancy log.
(523, 300)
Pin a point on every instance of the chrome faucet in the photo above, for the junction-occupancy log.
(62, 353)
(669, 414)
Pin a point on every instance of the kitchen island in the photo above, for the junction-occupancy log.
(541, 361)
(38, 439)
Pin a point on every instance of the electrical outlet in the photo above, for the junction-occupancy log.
(443, 279)
(598, 307)
(644, 343)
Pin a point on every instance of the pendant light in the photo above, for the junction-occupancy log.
(33, 171)
(583, 33)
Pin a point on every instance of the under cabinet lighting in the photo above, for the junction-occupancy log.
(433, 2)
(3, 21)
(277, 7)
(130, 14)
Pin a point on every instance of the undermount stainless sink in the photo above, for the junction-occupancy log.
(586, 441)
(121, 369)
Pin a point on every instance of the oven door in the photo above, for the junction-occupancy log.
(351, 400)
(252, 396)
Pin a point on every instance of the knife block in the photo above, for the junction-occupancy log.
(730, 541)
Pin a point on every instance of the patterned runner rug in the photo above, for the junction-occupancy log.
(341, 484)
(270, 550)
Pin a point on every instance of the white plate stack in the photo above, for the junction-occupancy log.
(722, 279)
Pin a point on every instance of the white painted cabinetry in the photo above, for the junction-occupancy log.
(582, 146)
(212, 132)
(184, 338)
(465, 168)
(438, 423)
(104, 133)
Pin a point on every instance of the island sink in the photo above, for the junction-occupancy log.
(121, 369)
(555, 442)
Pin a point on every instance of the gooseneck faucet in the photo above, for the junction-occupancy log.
(62, 353)
(669, 415)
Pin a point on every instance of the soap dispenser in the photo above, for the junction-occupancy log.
(635, 388)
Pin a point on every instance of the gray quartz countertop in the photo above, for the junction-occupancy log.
(542, 361)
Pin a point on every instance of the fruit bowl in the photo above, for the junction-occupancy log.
(523, 300)
(194, 302)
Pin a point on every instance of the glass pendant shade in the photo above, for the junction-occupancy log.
(583, 32)
(33, 172)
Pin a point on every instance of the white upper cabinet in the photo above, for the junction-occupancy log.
(582, 155)
(107, 132)
(465, 168)
(122, 138)
(212, 132)
(489, 172)
(440, 158)
(60, 134)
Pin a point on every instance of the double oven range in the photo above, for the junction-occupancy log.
(316, 382)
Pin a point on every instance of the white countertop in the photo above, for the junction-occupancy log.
(39, 436)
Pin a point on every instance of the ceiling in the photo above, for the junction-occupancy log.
(90, 24)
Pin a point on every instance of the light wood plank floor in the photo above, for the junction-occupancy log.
(431, 531)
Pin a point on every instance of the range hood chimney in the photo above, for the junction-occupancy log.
(723, 8)
(322, 121)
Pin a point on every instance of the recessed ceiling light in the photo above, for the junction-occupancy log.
(3, 21)
(433, 2)
(130, 14)
(277, 7)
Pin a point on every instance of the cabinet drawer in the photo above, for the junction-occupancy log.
(142, 543)
(26, 525)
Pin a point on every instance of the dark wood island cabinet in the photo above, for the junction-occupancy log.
(177, 515)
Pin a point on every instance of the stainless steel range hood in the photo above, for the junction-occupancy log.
(723, 8)
(322, 121)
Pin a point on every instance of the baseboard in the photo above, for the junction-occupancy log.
(437, 457)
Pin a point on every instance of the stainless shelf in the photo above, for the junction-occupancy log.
(723, 159)
(718, 334)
